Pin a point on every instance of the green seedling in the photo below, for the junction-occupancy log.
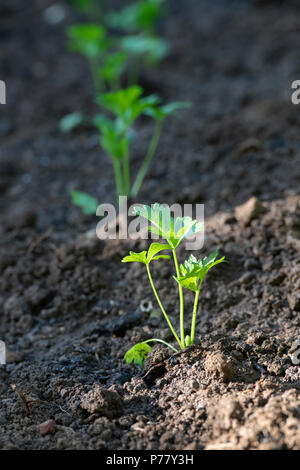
(138, 16)
(139, 22)
(189, 275)
(90, 7)
(92, 42)
(143, 49)
(112, 68)
(127, 105)
(87, 203)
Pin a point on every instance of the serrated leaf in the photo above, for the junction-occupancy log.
(136, 257)
(157, 248)
(118, 102)
(137, 354)
(193, 270)
(87, 203)
(163, 225)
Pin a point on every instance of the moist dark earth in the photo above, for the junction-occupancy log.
(69, 310)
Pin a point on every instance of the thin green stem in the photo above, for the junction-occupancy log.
(133, 72)
(180, 299)
(162, 308)
(195, 314)
(126, 171)
(96, 79)
(147, 160)
(161, 341)
(118, 176)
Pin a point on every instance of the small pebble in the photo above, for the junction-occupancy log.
(48, 427)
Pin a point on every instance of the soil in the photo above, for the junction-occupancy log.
(69, 309)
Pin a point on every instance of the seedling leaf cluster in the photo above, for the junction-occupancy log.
(189, 275)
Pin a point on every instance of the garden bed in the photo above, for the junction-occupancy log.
(69, 309)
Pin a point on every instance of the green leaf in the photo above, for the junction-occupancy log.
(87, 203)
(136, 257)
(87, 39)
(118, 102)
(113, 66)
(192, 270)
(161, 112)
(112, 137)
(140, 15)
(151, 49)
(163, 224)
(146, 257)
(157, 248)
(127, 105)
(84, 5)
(137, 354)
(71, 121)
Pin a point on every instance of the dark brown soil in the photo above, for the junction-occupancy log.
(69, 309)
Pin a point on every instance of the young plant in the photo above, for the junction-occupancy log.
(139, 16)
(139, 21)
(127, 105)
(91, 41)
(91, 8)
(189, 275)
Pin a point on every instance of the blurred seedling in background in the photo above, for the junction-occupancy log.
(189, 275)
(140, 42)
(117, 133)
(111, 55)
(93, 9)
(127, 106)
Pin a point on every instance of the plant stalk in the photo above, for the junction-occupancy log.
(161, 341)
(162, 308)
(96, 80)
(126, 172)
(180, 299)
(118, 176)
(193, 326)
(147, 160)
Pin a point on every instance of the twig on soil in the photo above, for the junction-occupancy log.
(43, 237)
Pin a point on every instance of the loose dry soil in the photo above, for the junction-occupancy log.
(69, 309)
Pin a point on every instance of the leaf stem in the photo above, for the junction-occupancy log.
(126, 171)
(96, 79)
(162, 308)
(118, 176)
(161, 341)
(147, 160)
(180, 299)
(133, 72)
(193, 326)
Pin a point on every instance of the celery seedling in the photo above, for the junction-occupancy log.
(190, 275)
(139, 20)
(127, 105)
(138, 16)
(91, 41)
